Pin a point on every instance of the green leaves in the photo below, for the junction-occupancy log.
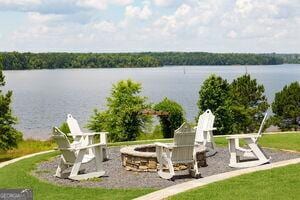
(214, 95)
(171, 122)
(248, 104)
(286, 107)
(9, 136)
(238, 106)
(123, 118)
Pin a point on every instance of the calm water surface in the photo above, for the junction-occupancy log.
(43, 98)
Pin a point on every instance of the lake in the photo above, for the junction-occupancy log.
(43, 98)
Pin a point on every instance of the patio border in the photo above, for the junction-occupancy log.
(3, 164)
(183, 187)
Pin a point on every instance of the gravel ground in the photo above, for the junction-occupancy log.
(117, 177)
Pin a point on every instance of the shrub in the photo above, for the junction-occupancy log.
(9, 136)
(65, 128)
(169, 123)
(248, 104)
(286, 107)
(123, 118)
(214, 95)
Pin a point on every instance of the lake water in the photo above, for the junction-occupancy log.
(43, 98)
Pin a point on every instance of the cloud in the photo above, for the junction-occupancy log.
(128, 25)
(142, 13)
(163, 2)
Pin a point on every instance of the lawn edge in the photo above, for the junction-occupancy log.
(5, 163)
(183, 187)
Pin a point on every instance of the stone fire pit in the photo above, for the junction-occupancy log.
(142, 158)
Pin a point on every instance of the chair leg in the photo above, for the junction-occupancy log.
(77, 164)
(60, 168)
(232, 151)
(98, 158)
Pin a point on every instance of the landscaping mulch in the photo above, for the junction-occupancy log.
(117, 177)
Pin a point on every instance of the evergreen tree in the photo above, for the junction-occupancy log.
(248, 104)
(286, 107)
(214, 95)
(9, 136)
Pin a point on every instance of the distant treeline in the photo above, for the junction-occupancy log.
(289, 58)
(19, 61)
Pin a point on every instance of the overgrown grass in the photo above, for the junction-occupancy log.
(275, 184)
(27, 147)
(18, 175)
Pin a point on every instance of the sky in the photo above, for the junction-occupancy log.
(254, 26)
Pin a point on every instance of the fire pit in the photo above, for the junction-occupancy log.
(142, 158)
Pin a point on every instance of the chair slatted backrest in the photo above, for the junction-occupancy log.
(73, 125)
(260, 131)
(63, 145)
(184, 142)
(205, 122)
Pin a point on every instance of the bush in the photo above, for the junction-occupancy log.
(65, 128)
(286, 107)
(123, 118)
(214, 95)
(169, 123)
(9, 136)
(248, 104)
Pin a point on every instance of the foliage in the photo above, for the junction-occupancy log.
(19, 61)
(169, 123)
(214, 95)
(286, 107)
(248, 104)
(155, 134)
(123, 118)
(26, 147)
(9, 136)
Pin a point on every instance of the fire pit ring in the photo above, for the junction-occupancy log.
(142, 158)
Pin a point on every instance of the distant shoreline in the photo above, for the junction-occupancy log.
(23, 61)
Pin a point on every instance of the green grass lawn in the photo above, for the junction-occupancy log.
(271, 184)
(275, 184)
(289, 141)
(17, 175)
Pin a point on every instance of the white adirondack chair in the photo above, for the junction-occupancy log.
(181, 151)
(82, 138)
(254, 152)
(204, 132)
(74, 157)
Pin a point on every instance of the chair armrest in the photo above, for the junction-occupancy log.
(87, 134)
(242, 136)
(164, 145)
(90, 146)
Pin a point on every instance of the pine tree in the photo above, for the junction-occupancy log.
(214, 95)
(248, 104)
(286, 107)
(9, 136)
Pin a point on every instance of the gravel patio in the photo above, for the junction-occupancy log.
(117, 177)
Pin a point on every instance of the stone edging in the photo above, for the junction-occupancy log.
(183, 187)
(3, 164)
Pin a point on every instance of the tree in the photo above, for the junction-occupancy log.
(214, 95)
(248, 104)
(123, 119)
(286, 107)
(9, 136)
(173, 120)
